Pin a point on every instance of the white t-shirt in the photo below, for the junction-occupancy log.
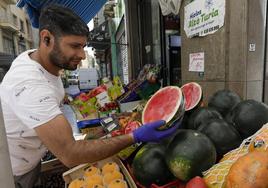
(30, 97)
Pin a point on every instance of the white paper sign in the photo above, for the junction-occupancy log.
(196, 62)
(203, 17)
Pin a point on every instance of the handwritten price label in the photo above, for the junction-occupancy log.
(196, 62)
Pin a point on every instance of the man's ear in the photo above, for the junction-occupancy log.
(47, 40)
(45, 37)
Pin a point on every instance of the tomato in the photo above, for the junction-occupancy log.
(196, 182)
(130, 127)
(117, 133)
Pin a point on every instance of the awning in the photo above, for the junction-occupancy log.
(86, 9)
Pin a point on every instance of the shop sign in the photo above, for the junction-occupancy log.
(203, 17)
(196, 62)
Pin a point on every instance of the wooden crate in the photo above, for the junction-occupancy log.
(78, 171)
(51, 165)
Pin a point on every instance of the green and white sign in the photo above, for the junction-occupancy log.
(203, 17)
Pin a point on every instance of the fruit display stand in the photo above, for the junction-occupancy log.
(78, 171)
(216, 176)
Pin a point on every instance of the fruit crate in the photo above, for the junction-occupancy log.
(78, 171)
(173, 184)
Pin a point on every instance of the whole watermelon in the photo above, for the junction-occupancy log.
(223, 135)
(248, 117)
(223, 101)
(200, 115)
(190, 153)
(149, 165)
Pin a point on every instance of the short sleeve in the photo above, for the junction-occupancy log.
(34, 105)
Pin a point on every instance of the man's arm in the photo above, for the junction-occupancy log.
(58, 138)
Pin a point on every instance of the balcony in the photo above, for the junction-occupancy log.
(6, 22)
(10, 1)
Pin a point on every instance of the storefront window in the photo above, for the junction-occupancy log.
(8, 45)
(22, 47)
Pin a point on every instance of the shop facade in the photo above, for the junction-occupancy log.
(234, 55)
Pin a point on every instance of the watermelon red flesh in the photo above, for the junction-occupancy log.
(192, 93)
(163, 105)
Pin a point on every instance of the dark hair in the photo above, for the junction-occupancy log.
(62, 21)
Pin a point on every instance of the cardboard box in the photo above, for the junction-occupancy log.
(129, 106)
(79, 116)
(78, 171)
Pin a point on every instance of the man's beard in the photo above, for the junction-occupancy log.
(58, 59)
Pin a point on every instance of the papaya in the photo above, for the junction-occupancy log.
(249, 171)
(260, 141)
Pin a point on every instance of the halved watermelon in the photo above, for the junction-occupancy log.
(166, 104)
(192, 95)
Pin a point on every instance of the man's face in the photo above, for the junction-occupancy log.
(68, 51)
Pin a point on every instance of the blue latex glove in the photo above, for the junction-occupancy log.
(149, 133)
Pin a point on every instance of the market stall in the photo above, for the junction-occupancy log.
(214, 140)
(215, 145)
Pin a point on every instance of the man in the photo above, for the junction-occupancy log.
(31, 93)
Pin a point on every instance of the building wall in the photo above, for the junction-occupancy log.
(15, 27)
(228, 62)
(25, 28)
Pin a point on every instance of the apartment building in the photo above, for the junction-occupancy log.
(16, 33)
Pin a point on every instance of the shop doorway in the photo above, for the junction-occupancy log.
(171, 50)
(175, 59)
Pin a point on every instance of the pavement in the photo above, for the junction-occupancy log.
(68, 111)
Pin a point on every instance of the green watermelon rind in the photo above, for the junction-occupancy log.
(142, 174)
(181, 168)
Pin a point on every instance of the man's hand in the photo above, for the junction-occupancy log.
(149, 132)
